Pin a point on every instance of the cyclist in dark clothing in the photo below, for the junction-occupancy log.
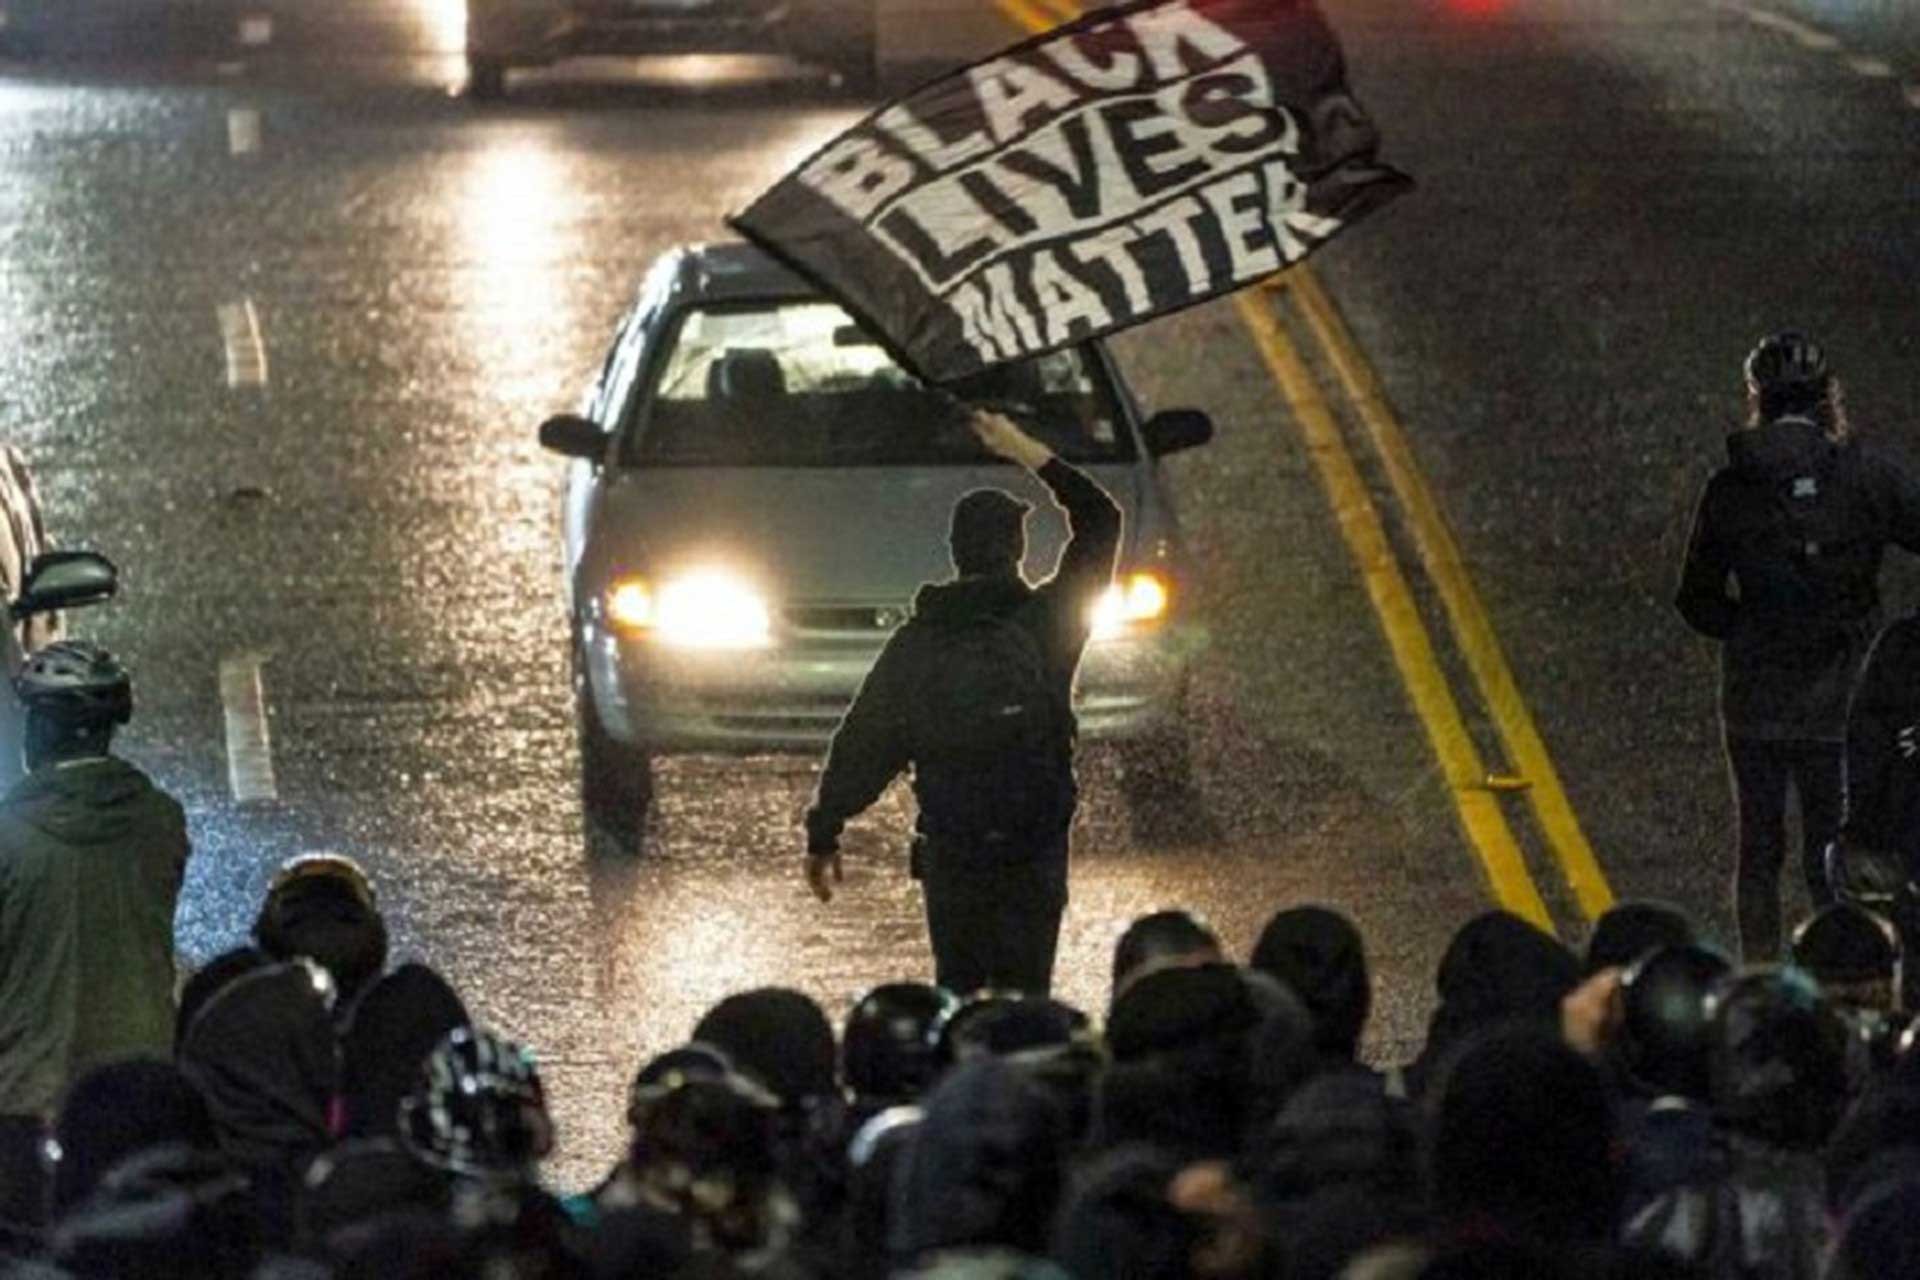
(1782, 568)
(975, 692)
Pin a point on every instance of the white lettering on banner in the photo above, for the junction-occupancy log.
(1287, 212)
(1109, 248)
(1243, 225)
(1162, 32)
(1010, 91)
(1123, 72)
(1064, 300)
(858, 175)
(906, 129)
(1095, 167)
(1176, 220)
(993, 319)
(1255, 221)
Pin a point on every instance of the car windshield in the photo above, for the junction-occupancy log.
(800, 384)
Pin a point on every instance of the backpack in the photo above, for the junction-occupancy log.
(990, 738)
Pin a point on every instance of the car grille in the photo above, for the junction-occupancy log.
(844, 619)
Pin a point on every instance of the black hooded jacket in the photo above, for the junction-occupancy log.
(874, 744)
(1782, 568)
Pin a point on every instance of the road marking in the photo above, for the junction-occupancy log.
(243, 131)
(256, 29)
(1472, 628)
(1807, 37)
(1872, 68)
(1407, 638)
(249, 753)
(246, 352)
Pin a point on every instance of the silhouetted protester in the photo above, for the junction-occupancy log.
(1519, 1143)
(781, 1039)
(92, 856)
(208, 981)
(1318, 953)
(170, 1212)
(1880, 1235)
(398, 1020)
(1627, 931)
(1882, 823)
(703, 1182)
(1782, 569)
(889, 1050)
(1782, 1076)
(1161, 940)
(113, 1113)
(321, 905)
(975, 693)
(984, 1170)
(1185, 1045)
(1661, 1053)
(263, 1054)
(1496, 969)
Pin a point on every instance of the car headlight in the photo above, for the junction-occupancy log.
(1134, 599)
(704, 609)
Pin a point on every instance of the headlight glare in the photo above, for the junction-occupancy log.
(1135, 598)
(630, 605)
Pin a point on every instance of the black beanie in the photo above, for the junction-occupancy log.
(1180, 1008)
(1318, 953)
(989, 532)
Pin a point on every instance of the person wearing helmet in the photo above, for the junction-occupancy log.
(889, 1054)
(321, 905)
(1782, 569)
(92, 856)
(1781, 1072)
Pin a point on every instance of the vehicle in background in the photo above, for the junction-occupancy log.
(757, 491)
(838, 35)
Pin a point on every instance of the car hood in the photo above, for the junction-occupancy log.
(853, 534)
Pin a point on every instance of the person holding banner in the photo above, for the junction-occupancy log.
(975, 693)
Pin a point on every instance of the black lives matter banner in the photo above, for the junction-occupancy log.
(1136, 161)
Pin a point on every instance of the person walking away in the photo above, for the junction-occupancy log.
(92, 855)
(975, 693)
(1782, 569)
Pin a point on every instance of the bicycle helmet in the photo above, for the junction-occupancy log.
(479, 1108)
(888, 1049)
(1787, 361)
(75, 682)
(1665, 1040)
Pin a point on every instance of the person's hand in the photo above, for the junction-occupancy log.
(1003, 437)
(823, 872)
(1591, 1013)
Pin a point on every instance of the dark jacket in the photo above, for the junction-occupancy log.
(1782, 568)
(1883, 771)
(91, 860)
(874, 742)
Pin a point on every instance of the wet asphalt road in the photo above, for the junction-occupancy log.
(1612, 205)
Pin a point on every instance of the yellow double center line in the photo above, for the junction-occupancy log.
(1473, 787)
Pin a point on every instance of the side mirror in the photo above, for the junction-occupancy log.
(65, 580)
(574, 437)
(1172, 430)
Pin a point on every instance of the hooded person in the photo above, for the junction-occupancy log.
(113, 1113)
(397, 1021)
(321, 905)
(1161, 940)
(1496, 969)
(1318, 953)
(1117, 1221)
(1628, 930)
(984, 1169)
(208, 981)
(1520, 1134)
(263, 1054)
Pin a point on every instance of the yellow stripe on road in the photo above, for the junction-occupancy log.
(1472, 629)
(1393, 602)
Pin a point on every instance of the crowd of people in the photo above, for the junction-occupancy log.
(1645, 1109)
